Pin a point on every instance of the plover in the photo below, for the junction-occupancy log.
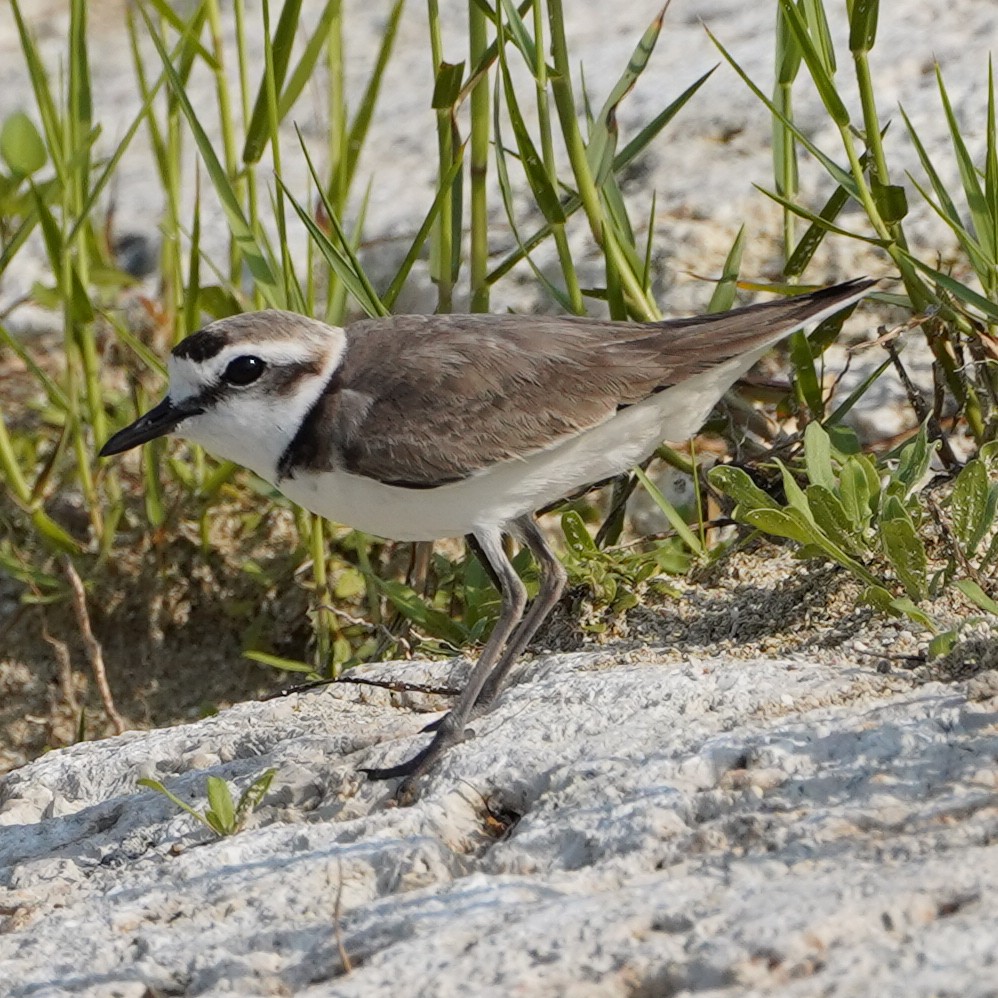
(419, 427)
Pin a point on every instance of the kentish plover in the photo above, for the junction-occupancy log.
(418, 427)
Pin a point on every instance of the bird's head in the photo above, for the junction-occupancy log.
(241, 387)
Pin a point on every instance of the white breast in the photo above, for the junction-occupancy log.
(500, 494)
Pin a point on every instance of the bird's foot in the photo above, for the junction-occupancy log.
(447, 733)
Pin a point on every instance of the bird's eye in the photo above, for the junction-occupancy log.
(243, 370)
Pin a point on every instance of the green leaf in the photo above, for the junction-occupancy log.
(820, 72)
(977, 595)
(855, 493)
(880, 599)
(913, 464)
(447, 85)
(251, 249)
(419, 612)
(863, 25)
(253, 794)
(976, 202)
(579, 540)
(542, 186)
(258, 130)
(673, 515)
(906, 553)
(794, 493)
(905, 606)
(724, 291)
(830, 516)
(284, 664)
(969, 504)
(21, 145)
(890, 199)
(942, 644)
(603, 136)
(818, 456)
(959, 290)
(220, 802)
(736, 484)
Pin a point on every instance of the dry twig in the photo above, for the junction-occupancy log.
(91, 644)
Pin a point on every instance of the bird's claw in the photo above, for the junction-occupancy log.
(447, 733)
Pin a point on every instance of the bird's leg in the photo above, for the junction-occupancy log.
(451, 728)
(552, 584)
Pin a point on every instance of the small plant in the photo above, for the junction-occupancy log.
(614, 577)
(223, 816)
(855, 513)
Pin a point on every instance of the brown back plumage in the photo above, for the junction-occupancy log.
(520, 383)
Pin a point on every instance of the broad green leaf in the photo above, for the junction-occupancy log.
(912, 611)
(968, 506)
(977, 595)
(818, 456)
(789, 523)
(855, 493)
(906, 553)
(880, 599)
(419, 612)
(830, 516)
(579, 540)
(942, 644)
(794, 493)
(736, 484)
(21, 146)
(913, 464)
(447, 85)
(220, 802)
(253, 794)
(890, 199)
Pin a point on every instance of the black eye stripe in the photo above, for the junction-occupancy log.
(243, 370)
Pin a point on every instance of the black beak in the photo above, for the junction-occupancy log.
(155, 423)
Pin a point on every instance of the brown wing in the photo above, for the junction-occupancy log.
(423, 400)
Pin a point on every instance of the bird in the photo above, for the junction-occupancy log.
(422, 427)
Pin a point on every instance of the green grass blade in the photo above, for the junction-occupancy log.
(258, 132)
(958, 289)
(724, 291)
(416, 248)
(259, 265)
(842, 177)
(603, 134)
(365, 110)
(676, 521)
(817, 63)
(984, 227)
(822, 223)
